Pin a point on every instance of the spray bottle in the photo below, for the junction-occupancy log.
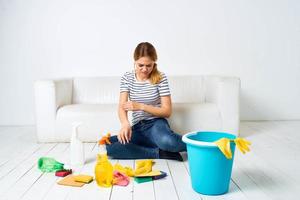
(76, 147)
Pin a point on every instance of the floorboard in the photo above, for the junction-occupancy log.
(269, 171)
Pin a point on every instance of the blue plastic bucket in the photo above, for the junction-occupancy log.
(210, 170)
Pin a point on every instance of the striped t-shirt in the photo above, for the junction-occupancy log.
(144, 92)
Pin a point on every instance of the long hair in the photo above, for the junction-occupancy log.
(145, 49)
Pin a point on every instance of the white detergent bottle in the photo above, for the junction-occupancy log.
(76, 147)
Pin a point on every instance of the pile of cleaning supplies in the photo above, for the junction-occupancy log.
(107, 175)
(47, 164)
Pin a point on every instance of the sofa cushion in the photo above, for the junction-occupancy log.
(195, 117)
(96, 119)
(99, 119)
(103, 90)
(187, 89)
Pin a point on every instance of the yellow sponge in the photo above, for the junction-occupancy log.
(69, 181)
(83, 178)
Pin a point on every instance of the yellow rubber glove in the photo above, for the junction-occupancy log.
(125, 170)
(224, 146)
(143, 166)
(242, 144)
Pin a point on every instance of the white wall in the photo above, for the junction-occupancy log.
(257, 40)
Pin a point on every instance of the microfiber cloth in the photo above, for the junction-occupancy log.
(120, 179)
(46, 164)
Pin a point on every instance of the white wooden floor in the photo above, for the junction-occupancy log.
(270, 171)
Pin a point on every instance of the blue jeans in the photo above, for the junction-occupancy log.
(148, 136)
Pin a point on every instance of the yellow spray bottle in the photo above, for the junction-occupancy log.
(103, 168)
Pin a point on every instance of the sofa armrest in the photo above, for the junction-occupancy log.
(225, 93)
(49, 96)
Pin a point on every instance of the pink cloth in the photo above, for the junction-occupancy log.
(120, 179)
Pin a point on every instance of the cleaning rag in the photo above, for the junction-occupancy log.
(46, 164)
(120, 179)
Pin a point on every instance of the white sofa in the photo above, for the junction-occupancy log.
(199, 103)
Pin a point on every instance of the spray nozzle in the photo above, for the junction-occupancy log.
(105, 139)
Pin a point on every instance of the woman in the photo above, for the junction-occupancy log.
(145, 92)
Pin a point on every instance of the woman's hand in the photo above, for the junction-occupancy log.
(132, 106)
(124, 135)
